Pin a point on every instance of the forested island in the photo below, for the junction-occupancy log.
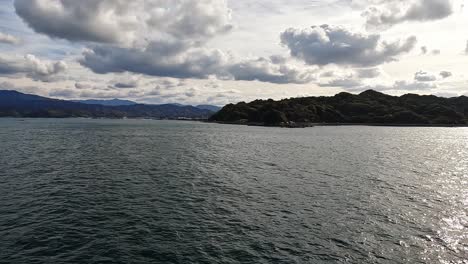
(369, 107)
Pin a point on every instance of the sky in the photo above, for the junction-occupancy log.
(218, 52)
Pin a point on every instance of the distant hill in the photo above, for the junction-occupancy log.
(369, 107)
(113, 102)
(119, 102)
(212, 108)
(16, 104)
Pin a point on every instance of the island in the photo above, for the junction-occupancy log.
(369, 107)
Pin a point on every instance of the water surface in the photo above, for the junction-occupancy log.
(142, 191)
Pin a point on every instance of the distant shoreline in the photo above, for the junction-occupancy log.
(300, 125)
(307, 125)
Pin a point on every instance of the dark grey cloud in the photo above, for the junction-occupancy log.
(8, 39)
(267, 70)
(191, 63)
(390, 13)
(422, 76)
(153, 37)
(196, 63)
(32, 67)
(323, 45)
(126, 82)
(445, 74)
(125, 85)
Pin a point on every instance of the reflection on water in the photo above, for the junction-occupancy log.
(135, 191)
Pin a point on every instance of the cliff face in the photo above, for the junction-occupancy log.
(369, 107)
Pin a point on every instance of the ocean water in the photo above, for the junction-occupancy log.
(142, 191)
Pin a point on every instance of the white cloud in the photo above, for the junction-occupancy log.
(8, 39)
(32, 67)
(390, 13)
(126, 22)
(323, 45)
(422, 76)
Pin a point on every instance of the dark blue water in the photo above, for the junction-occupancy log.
(135, 191)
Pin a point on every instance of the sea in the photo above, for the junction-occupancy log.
(148, 191)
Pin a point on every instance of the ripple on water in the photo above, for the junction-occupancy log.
(136, 191)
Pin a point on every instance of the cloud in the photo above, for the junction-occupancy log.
(155, 38)
(126, 82)
(466, 48)
(424, 50)
(323, 45)
(389, 13)
(169, 61)
(354, 85)
(8, 39)
(368, 73)
(32, 67)
(24, 89)
(422, 76)
(445, 74)
(266, 70)
(128, 22)
(396, 86)
(155, 60)
(346, 83)
(405, 85)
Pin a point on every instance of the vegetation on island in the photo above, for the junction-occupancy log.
(369, 107)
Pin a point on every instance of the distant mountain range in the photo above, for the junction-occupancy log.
(113, 102)
(369, 107)
(118, 102)
(16, 104)
(209, 107)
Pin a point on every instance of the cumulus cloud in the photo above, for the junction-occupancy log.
(267, 70)
(445, 74)
(122, 21)
(323, 45)
(155, 60)
(8, 39)
(32, 67)
(386, 14)
(154, 37)
(192, 63)
(422, 76)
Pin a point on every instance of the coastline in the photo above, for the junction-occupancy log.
(307, 125)
(290, 125)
